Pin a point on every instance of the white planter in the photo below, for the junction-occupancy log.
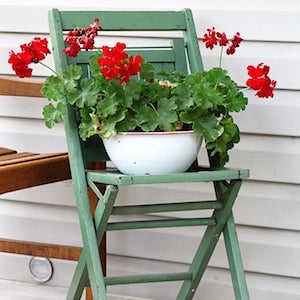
(142, 153)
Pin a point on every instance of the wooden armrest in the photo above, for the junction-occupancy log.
(14, 86)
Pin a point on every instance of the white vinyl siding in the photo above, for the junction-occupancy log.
(268, 207)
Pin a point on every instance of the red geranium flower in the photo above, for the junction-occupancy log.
(210, 38)
(83, 38)
(116, 63)
(33, 52)
(20, 63)
(260, 81)
(213, 38)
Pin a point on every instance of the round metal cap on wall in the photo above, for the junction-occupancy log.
(41, 269)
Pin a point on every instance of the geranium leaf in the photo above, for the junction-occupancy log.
(53, 88)
(86, 96)
(208, 127)
(167, 114)
(147, 71)
(107, 106)
(147, 118)
(72, 72)
(54, 114)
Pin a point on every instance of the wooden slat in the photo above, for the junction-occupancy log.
(11, 85)
(23, 157)
(33, 171)
(39, 249)
(6, 151)
(15, 158)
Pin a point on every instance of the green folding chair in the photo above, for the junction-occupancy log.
(183, 55)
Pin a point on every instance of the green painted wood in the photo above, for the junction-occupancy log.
(210, 238)
(144, 278)
(77, 171)
(183, 54)
(81, 274)
(235, 261)
(165, 207)
(179, 222)
(104, 209)
(127, 21)
(112, 176)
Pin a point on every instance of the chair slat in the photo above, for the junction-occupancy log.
(126, 21)
(28, 157)
(6, 151)
(42, 169)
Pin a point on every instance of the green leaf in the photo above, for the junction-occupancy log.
(204, 123)
(147, 118)
(206, 96)
(182, 93)
(147, 71)
(94, 66)
(167, 114)
(208, 127)
(53, 88)
(129, 123)
(132, 91)
(86, 130)
(107, 106)
(72, 73)
(54, 114)
(221, 145)
(236, 101)
(86, 96)
(108, 127)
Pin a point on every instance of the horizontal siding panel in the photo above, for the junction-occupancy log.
(268, 205)
(39, 222)
(260, 204)
(22, 107)
(269, 158)
(247, 15)
(216, 282)
(31, 135)
(56, 194)
(268, 251)
(282, 67)
(278, 116)
(263, 251)
(15, 267)
(247, 54)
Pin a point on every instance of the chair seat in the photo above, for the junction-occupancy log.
(114, 177)
(27, 169)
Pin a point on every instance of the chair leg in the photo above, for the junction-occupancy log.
(86, 271)
(102, 249)
(226, 193)
(235, 261)
(102, 252)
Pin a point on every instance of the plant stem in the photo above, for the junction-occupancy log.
(47, 67)
(221, 56)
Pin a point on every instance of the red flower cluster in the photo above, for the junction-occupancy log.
(116, 63)
(83, 38)
(213, 38)
(260, 80)
(32, 52)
